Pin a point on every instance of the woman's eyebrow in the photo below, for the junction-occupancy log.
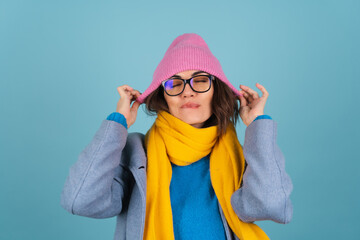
(195, 73)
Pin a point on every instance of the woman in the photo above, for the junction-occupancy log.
(188, 177)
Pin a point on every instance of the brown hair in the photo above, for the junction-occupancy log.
(224, 106)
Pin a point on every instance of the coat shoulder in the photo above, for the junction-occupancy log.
(136, 139)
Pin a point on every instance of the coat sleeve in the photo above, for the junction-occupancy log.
(266, 187)
(97, 183)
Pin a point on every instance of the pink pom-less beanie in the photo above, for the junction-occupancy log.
(187, 52)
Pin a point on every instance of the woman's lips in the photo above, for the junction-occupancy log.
(190, 105)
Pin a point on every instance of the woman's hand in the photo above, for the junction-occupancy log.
(251, 105)
(127, 96)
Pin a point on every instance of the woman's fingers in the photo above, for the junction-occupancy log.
(128, 95)
(135, 107)
(251, 95)
(246, 96)
(254, 104)
(135, 94)
(251, 92)
(125, 90)
(128, 92)
(243, 101)
(263, 90)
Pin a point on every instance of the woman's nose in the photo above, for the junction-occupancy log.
(188, 92)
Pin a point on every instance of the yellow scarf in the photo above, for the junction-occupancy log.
(171, 139)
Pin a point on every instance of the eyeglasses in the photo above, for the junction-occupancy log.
(199, 84)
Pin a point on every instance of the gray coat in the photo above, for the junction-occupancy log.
(109, 179)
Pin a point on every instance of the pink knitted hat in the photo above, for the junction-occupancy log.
(187, 52)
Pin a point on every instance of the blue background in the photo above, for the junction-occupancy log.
(61, 62)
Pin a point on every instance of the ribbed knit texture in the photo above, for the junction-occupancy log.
(188, 51)
(118, 117)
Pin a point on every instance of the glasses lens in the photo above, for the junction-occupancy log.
(201, 83)
(174, 86)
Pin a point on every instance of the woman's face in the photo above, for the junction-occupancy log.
(191, 107)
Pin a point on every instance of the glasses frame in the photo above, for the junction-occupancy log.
(188, 81)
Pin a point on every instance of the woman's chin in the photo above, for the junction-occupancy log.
(197, 122)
